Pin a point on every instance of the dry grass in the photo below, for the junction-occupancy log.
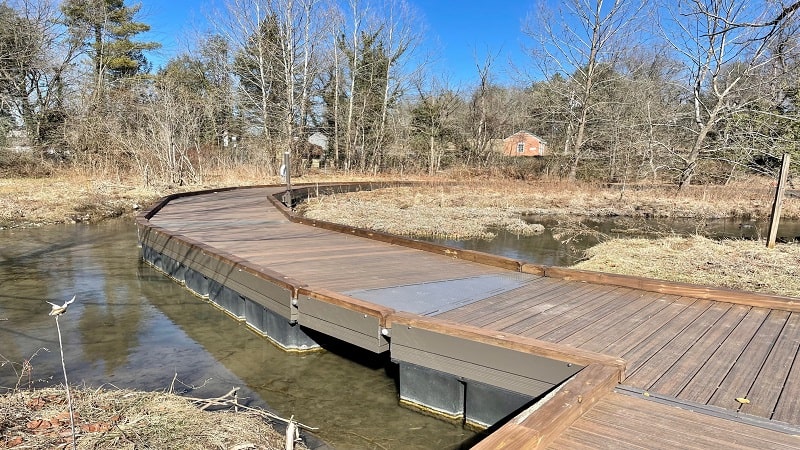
(122, 419)
(734, 264)
(472, 209)
(70, 196)
(430, 211)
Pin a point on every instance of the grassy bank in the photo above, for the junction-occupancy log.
(73, 195)
(124, 419)
(472, 209)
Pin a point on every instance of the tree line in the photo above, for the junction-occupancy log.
(621, 90)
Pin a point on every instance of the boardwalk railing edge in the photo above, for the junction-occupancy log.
(539, 425)
(724, 295)
(457, 253)
(645, 284)
(520, 344)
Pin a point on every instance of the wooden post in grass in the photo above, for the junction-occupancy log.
(776, 205)
(286, 173)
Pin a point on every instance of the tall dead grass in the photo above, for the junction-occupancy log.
(734, 264)
(124, 419)
(470, 209)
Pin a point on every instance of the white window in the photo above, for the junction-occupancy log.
(521, 147)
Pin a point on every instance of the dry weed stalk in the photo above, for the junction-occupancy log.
(56, 311)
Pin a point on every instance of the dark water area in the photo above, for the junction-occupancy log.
(564, 244)
(132, 327)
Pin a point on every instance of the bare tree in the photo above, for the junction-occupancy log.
(433, 119)
(579, 39)
(35, 58)
(723, 52)
(276, 44)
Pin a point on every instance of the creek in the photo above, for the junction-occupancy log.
(132, 327)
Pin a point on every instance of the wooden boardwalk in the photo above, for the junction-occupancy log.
(689, 352)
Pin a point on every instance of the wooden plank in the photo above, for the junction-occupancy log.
(538, 426)
(629, 325)
(675, 288)
(707, 379)
(501, 340)
(769, 384)
(666, 356)
(545, 305)
(566, 313)
(646, 329)
(503, 301)
(681, 372)
(740, 379)
(528, 302)
(642, 420)
(788, 407)
(602, 320)
(700, 312)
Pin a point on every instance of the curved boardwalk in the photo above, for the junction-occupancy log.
(683, 354)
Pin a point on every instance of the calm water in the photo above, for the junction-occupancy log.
(131, 327)
(564, 244)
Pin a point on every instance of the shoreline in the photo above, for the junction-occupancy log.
(470, 209)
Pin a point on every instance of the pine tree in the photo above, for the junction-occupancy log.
(107, 29)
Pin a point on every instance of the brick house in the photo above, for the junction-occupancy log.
(524, 143)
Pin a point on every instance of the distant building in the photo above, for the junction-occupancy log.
(524, 143)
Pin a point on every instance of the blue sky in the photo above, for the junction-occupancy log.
(456, 35)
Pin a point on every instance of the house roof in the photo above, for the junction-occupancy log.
(528, 133)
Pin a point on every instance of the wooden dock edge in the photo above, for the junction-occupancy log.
(540, 424)
(520, 344)
(673, 288)
(646, 284)
(453, 252)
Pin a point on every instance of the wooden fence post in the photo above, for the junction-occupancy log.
(776, 205)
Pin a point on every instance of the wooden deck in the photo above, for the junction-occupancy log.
(681, 344)
(622, 421)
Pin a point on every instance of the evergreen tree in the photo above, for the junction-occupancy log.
(107, 29)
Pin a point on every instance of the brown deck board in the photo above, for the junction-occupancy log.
(643, 306)
(628, 325)
(507, 303)
(770, 382)
(516, 299)
(751, 362)
(697, 350)
(565, 313)
(788, 408)
(673, 380)
(623, 421)
(705, 382)
(644, 331)
(543, 301)
(701, 311)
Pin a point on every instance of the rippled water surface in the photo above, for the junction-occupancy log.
(131, 327)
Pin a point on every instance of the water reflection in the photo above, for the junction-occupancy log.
(132, 327)
(565, 239)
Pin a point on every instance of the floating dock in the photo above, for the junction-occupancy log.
(540, 356)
